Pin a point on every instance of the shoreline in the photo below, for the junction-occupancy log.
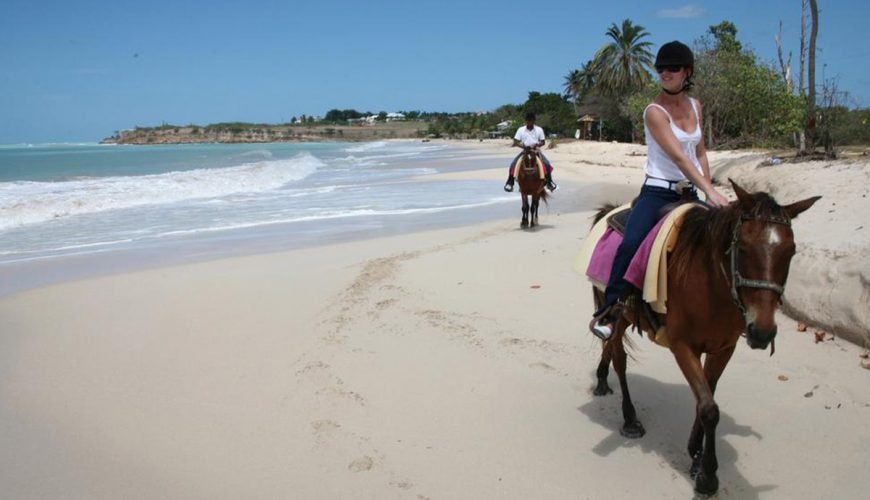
(596, 172)
(826, 260)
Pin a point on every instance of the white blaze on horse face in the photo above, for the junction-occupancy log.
(750, 315)
(773, 236)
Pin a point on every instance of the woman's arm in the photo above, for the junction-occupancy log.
(701, 148)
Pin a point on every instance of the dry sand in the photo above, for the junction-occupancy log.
(446, 364)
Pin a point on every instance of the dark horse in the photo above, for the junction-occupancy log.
(726, 275)
(531, 185)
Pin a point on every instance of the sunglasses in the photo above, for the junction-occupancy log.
(670, 68)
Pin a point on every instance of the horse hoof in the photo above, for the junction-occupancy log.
(696, 465)
(602, 390)
(705, 485)
(633, 430)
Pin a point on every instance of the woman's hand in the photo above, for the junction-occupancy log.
(716, 199)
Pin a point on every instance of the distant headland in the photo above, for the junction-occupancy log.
(261, 133)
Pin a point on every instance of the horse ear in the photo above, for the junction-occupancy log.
(745, 199)
(799, 206)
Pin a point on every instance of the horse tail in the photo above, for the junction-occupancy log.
(602, 211)
(628, 345)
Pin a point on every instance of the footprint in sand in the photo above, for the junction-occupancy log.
(324, 426)
(380, 306)
(339, 392)
(361, 464)
(402, 485)
(313, 366)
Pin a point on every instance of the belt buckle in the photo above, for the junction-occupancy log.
(682, 186)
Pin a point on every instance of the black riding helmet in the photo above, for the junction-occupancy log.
(677, 54)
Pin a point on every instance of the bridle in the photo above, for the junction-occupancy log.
(738, 281)
(529, 158)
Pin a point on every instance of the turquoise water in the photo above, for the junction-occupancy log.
(65, 200)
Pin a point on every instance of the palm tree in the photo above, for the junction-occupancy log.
(579, 82)
(572, 84)
(624, 64)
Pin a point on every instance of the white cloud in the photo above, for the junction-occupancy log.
(683, 12)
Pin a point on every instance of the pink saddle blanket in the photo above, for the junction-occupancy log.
(605, 250)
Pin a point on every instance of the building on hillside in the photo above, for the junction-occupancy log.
(502, 129)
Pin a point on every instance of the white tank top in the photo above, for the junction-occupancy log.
(658, 164)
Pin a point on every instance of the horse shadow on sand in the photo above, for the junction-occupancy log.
(538, 227)
(667, 412)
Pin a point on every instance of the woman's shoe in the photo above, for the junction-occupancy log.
(601, 330)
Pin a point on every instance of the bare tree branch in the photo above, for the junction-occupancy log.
(784, 66)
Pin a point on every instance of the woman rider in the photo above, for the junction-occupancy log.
(675, 153)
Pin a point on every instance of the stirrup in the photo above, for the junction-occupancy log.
(604, 324)
(552, 186)
(601, 330)
(509, 187)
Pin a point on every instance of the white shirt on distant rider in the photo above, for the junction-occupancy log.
(529, 138)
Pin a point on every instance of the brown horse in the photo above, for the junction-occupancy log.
(726, 275)
(531, 186)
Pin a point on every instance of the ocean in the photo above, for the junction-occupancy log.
(182, 202)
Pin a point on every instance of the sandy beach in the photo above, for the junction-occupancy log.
(448, 364)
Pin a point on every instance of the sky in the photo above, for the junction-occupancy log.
(78, 70)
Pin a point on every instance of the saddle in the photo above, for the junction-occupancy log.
(538, 165)
(651, 264)
(617, 220)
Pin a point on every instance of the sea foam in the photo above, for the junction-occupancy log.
(25, 202)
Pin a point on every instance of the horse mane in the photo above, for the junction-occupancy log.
(706, 233)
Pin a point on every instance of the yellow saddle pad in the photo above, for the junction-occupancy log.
(542, 171)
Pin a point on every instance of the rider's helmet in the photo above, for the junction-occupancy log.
(677, 54)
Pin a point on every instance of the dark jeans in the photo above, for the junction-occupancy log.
(543, 158)
(644, 216)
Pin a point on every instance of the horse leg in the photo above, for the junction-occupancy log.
(631, 428)
(525, 221)
(533, 215)
(702, 446)
(707, 412)
(602, 388)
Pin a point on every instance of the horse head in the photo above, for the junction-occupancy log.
(762, 247)
(529, 158)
